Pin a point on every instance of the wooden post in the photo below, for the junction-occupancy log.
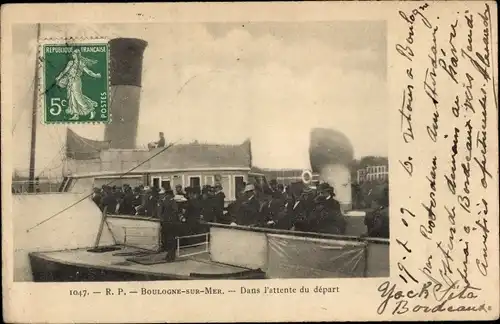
(366, 255)
(101, 227)
(31, 183)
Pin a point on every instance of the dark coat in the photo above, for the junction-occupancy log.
(193, 210)
(233, 210)
(300, 215)
(127, 204)
(249, 213)
(273, 207)
(207, 209)
(168, 211)
(97, 198)
(169, 226)
(327, 217)
(151, 206)
(284, 217)
(218, 206)
(110, 202)
(377, 223)
(137, 200)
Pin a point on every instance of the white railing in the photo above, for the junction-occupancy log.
(205, 243)
(43, 186)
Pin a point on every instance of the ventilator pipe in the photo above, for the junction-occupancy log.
(330, 154)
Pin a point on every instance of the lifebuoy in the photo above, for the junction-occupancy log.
(307, 176)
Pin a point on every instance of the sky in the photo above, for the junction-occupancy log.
(225, 82)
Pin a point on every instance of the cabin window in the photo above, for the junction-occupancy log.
(209, 180)
(258, 179)
(156, 182)
(165, 184)
(225, 181)
(177, 180)
(116, 181)
(195, 181)
(239, 185)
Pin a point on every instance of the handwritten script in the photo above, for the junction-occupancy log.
(447, 160)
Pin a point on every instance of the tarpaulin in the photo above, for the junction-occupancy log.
(80, 148)
(304, 257)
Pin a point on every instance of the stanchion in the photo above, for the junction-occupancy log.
(101, 227)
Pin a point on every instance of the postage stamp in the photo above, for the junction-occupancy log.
(75, 83)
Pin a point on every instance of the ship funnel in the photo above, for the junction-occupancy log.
(330, 153)
(126, 56)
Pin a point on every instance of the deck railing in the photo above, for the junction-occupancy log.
(205, 243)
(272, 230)
(41, 186)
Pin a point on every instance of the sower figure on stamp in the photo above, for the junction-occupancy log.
(169, 223)
(71, 79)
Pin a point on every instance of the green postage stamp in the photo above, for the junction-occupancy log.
(75, 83)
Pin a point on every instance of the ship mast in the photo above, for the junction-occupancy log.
(31, 183)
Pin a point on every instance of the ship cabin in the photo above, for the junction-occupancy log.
(188, 165)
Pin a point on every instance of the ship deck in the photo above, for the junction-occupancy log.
(184, 267)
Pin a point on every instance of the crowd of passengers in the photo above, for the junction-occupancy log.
(147, 201)
(295, 207)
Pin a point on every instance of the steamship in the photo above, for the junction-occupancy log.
(69, 239)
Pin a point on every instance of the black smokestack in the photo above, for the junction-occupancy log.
(126, 78)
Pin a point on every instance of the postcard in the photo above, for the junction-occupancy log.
(242, 162)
